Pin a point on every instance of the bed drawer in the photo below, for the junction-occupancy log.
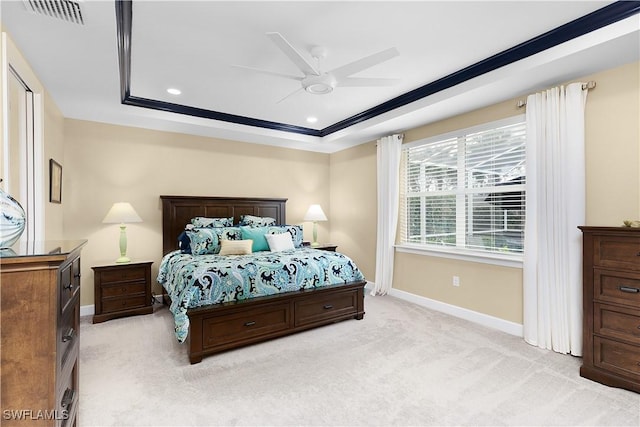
(614, 356)
(323, 308)
(219, 331)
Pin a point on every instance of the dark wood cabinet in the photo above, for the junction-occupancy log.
(611, 304)
(122, 290)
(40, 315)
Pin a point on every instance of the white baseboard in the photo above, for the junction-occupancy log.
(90, 310)
(87, 310)
(463, 313)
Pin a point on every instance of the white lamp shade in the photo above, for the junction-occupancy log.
(121, 213)
(315, 213)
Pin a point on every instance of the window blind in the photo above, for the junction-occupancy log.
(466, 191)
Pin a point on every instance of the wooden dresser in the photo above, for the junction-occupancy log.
(611, 302)
(40, 315)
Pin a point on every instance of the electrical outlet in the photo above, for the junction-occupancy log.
(456, 281)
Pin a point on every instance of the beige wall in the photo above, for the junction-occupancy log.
(107, 163)
(353, 205)
(613, 194)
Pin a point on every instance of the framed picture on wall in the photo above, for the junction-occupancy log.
(55, 182)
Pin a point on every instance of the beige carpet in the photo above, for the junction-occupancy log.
(402, 365)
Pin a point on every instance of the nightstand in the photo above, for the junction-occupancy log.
(325, 247)
(122, 290)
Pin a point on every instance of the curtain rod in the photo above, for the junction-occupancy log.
(585, 86)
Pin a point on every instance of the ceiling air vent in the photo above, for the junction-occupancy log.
(64, 10)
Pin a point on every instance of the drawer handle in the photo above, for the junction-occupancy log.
(67, 398)
(629, 289)
(69, 286)
(69, 335)
(77, 275)
(328, 307)
(249, 323)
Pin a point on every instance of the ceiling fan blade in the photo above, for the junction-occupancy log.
(366, 82)
(271, 73)
(364, 63)
(293, 54)
(291, 94)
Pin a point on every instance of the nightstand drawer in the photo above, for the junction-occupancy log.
(122, 275)
(617, 252)
(110, 305)
(123, 289)
(617, 357)
(620, 287)
(617, 322)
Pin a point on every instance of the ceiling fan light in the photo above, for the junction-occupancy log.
(319, 88)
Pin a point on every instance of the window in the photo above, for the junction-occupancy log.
(465, 193)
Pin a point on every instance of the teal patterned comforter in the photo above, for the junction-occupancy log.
(199, 280)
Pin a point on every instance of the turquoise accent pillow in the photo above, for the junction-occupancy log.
(257, 235)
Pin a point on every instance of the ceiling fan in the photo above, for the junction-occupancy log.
(320, 82)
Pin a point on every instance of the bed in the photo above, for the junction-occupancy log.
(333, 293)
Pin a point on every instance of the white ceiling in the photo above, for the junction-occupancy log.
(194, 46)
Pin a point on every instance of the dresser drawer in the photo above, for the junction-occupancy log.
(323, 308)
(223, 330)
(617, 357)
(617, 252)
(620, 287)
(67, 396)
(110, 305)
(69, 282)
(67, 334)
(123, 289)
(617, 322)
(119, 275)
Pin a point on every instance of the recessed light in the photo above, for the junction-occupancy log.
(174, 91)
(312, 119)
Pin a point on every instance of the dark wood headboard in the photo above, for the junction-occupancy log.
(177, 212)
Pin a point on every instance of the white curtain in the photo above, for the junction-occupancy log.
(555, 207)
(388, 155)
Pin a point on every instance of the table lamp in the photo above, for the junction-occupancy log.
(315, 214)
(122, 213)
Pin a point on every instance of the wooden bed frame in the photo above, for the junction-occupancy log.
(226, 326)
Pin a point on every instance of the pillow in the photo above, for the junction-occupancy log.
(207, 240)
(203, 241)
(257, 235)
(294, 230)
(184, 243)
(257, 221)
(201, 221)
(235, 247)
(279, 242)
